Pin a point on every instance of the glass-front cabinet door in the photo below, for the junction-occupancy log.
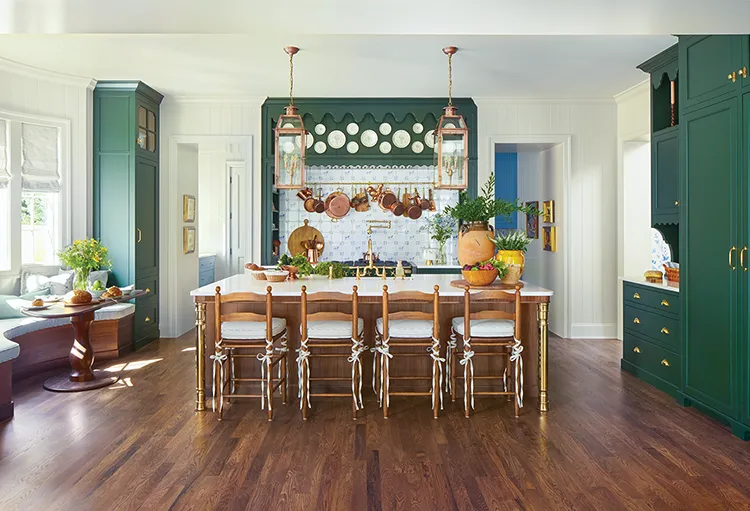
(146, 129)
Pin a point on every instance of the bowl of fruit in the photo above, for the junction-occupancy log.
(483, 273)
(97, 289)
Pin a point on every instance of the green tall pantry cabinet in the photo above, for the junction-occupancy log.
(126, 192)
(715, 102)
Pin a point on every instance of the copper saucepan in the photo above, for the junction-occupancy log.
(423, 202)
(387, 199)
(397, 208)
(319, 206)
(337, 204)
(414, 211)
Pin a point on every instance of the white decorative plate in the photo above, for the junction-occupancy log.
(320, 147)
(288, 147)
(320, 129)
(429, 139)
(417, 147)
(401, 139)
(308, 140)
(449, 125)
(417, 128)
(385, 129)
(352, 147)
(369, 138)
(352, 128)
(385, 147)
(336, 139)
(288, 125)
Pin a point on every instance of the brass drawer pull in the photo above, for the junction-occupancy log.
(732, 76)
(665, 363)
(140, 235)
(148, 290)
(636, 296)
(637, 349)
(743, 72)
(664, 303)
(636, 321)
(731, 265)
(147, 320)
(742, 258)
(664, 330)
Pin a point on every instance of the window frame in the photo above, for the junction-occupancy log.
(15, 119)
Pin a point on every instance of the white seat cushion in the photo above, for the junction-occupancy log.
(486, 327)
(8, 350)
(333, 329)
(407, 328)
(116, 311)
(12, 328)
(250, 329)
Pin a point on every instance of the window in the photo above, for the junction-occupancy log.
(33, 214)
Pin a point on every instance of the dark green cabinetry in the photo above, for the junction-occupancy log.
(126, 192)
(665, 177)
(651, 346)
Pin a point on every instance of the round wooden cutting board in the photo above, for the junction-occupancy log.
(303, 233)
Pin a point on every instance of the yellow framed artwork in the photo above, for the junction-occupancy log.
(548, 212)
(188, 240)
(188, 208)
(549, 238)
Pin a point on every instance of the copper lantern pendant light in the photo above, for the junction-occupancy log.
(291, 139)
(451, 140)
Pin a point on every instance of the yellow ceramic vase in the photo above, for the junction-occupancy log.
(514, 260)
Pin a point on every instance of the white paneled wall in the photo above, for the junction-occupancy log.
(32, 91)
(590, 201)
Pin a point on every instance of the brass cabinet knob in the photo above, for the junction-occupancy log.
(743, 72)
(148, 290)
(637, 349)
(732, 76)
(665, 362)
(664, 330)
(664, 303)
(636, 296)
(676, 203)
(147, 320)
(636, 321)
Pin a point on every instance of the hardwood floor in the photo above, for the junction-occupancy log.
(609, 442)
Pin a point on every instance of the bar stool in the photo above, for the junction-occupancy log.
(326, 333)
(249, 335)
(409, 329)
(490, 329)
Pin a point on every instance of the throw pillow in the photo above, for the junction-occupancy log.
(10, 306)
(57, 284)
(100, 275)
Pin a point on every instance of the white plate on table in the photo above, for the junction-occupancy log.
(36, 307)
(49, 298)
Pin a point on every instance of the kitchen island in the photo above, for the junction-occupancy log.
(286, 304)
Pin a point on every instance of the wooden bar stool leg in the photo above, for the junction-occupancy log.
(269, 385)
(232, 373)
(454, 353)
(505, 373)
(376, 366)
(283, 369)
(303, 377)
(468, 364)
(385, 374)
(450, 367)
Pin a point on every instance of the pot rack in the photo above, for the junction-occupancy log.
(368, 183)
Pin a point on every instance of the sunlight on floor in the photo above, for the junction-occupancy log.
(132, 366)
(189, 349)
(122, 383)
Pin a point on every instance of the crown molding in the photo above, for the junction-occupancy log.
(535, 101)
(252, 100)
(17, 68)
(639, 88)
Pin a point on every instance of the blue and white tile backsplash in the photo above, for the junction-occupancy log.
(346, 239)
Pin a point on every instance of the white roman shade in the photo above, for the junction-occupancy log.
(4, 160)
(40, 157)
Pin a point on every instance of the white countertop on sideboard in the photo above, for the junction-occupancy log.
(368, 286)
(664, 286)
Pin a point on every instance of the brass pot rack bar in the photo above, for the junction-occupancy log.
(368, 183)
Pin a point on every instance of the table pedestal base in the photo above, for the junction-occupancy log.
(62, 383)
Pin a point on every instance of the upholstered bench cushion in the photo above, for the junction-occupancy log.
(14, 327)
(8, 350)
(250, 329)
(486, 327)
(407, 328)
(333, 329)
(115, 311)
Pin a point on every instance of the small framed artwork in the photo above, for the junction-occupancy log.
(532, 221)
(188, 240)
(549, 238)
(188, 208)
(548, 212)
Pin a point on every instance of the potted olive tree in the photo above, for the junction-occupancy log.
(475, 233)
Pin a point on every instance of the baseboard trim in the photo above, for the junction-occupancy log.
(593, 331)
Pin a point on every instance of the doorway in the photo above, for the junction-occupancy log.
(236, 231)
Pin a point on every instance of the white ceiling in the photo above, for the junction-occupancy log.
(247, 65)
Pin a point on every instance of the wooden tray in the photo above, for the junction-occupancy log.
(495, 286)
(301, 234)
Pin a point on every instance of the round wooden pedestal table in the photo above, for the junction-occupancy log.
(82, 376)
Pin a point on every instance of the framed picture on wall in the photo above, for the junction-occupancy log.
(548, 212)
(188, 208)
(549, 238)
(188, 240)
(532, 221)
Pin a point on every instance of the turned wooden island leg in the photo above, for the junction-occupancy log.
(543, 342)
(200, 354)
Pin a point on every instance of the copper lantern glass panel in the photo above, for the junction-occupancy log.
(452, 151)
(290, 150)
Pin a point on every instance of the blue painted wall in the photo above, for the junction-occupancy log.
(506, 185)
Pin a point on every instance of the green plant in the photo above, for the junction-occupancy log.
(485, 206)
(441, 227)
(299, 261)
(511, 240)
(339, 270)
(86, 254)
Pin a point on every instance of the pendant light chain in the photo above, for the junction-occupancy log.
(291, 78)
(450, 79)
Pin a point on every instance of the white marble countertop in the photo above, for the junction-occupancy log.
(440, 266)
(664, 286)
(368, 286)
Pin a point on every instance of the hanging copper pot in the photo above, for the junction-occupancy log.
(387, 199)
(423, 202)
(337, 204)
(414, 211)
(397, 208)
(432, 201)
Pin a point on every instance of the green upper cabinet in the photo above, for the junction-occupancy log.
(665, 177)
(126, 192)
(711, 65)
(745, 64)
(744, 298)
(709, 265)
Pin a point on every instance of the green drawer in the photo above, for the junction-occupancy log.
(662, 329)
(666, 302)
(651, 358)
